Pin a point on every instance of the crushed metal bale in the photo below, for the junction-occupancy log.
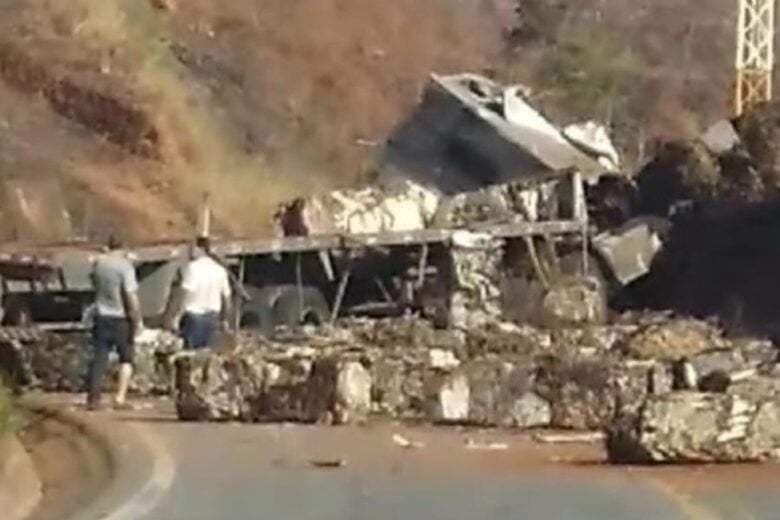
(690, 427)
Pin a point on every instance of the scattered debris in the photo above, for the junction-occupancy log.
(328, 463)
(442, 359)
(164, 5)
(569, 438)
(471, 444)
(594, 139)
(493, 136)
(403, 442)
(721, 137)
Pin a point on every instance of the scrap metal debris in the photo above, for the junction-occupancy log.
(403, 442)
(689, 235)
(698, 427)
(569, 438)
(492, 136)
(397, 206)
(472, 444)
(328, 463)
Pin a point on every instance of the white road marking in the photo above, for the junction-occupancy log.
(146, 499)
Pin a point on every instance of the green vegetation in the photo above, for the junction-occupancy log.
(6, 416)
(591, 73)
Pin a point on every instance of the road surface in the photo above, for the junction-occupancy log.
(237, 472)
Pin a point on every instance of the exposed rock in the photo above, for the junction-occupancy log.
(696, 427)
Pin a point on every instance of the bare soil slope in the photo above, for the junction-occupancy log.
(122, 113)
(128, 111)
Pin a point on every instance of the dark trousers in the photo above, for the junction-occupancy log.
(198, 330)
(109, 333)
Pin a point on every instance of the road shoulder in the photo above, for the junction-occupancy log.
(141, 469)
(20, 486)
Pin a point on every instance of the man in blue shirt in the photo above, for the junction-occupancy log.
(117, 320)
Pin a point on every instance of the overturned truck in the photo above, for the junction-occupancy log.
(481, 210)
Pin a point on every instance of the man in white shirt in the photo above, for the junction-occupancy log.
(204, 299)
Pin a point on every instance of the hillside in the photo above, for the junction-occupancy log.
(122, 113)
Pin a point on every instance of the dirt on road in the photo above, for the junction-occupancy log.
(73, 468)
(433, 451)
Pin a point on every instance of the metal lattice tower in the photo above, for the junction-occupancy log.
(755, 52)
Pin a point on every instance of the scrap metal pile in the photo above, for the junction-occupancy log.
(661, 386)
(641, 381)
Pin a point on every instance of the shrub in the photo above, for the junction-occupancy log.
(592, 73)
(6, 417)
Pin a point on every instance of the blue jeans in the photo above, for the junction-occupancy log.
(109, 333)
(198, 330)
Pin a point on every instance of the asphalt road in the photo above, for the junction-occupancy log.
(273, 472)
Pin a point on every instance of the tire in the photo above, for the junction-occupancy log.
(301, 306)
(257, 312)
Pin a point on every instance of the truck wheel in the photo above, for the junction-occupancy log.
(301, 306)
(257, 312)
(275, 305)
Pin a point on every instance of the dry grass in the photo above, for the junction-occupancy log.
(272, 98)
(255, 100)
(6, 412)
